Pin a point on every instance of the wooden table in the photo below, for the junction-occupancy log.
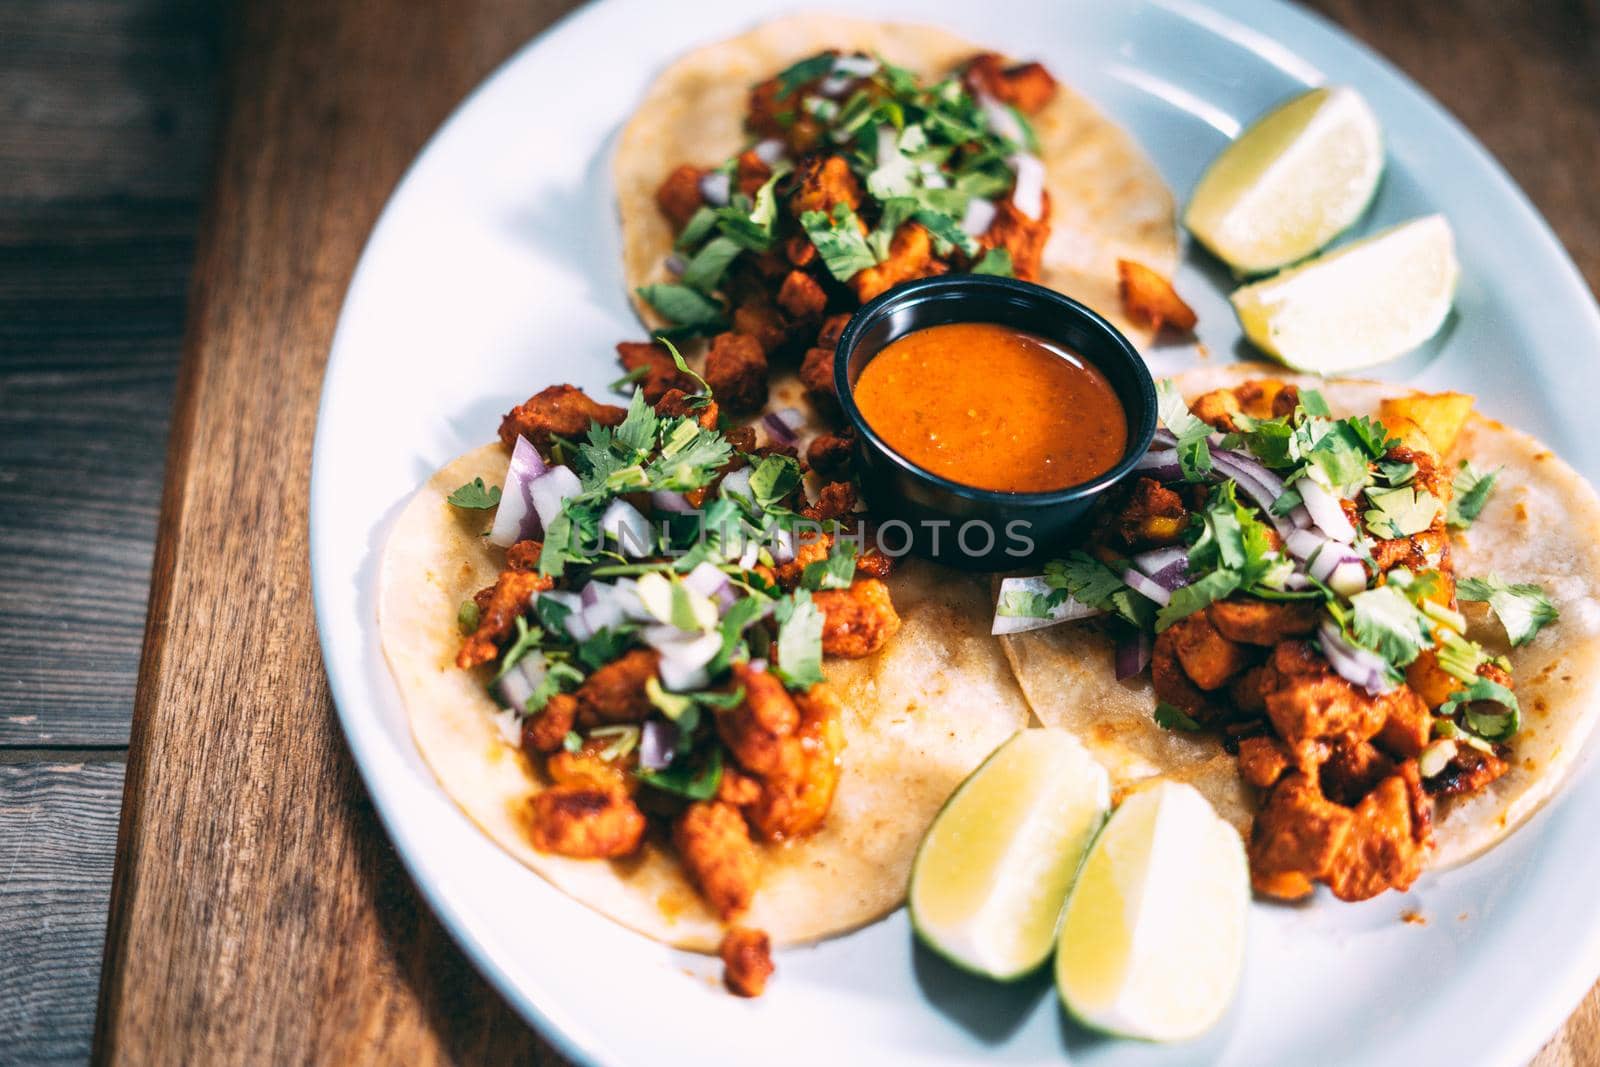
(259, 914)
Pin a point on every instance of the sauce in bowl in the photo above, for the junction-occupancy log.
(993, 407)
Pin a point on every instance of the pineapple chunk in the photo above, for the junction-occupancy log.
(1438, 416)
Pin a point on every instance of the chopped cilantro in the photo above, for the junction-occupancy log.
(1523, 609)
(1400, 512)
(773, 479)
(475, 496)
(705, 270)
(559, 678)
(1385, 621)
(1313, 403)
(681, 779)
(799, 663)
(1491, 725)
(1472, 493)
(1395, 473)
(525, 641)
(1195, 596)
(1170, 718)
(840, 241)
(834, 571)
(699, 227)
(573, 741)
(947, 233)
(996, 261)
(808, 69)
(1028, 603)
(620, 383)
(1086, 579)
(683, 305)
(1194, 452)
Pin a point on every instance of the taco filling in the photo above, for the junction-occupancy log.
(1286, 578)
(857, 175)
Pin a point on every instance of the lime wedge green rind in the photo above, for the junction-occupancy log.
(992, 872)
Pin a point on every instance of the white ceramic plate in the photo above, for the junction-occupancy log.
(495, 271)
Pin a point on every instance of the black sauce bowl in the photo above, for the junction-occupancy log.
(934, 516)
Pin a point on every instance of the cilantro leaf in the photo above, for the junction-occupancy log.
(475, 496)
(1491, 725)
(683, 305)
(996, 261)
(1086, 579)
(1312, 402)
(1523, 609)
(526, 640)
(1400, 512)
(1272, 441)
(799, 663)
(1170, 718)
(1194, 452)
(705, 270)
(834, 571)
(638, 428)
(839, 241)
(685, 781)
(895, 212)
(1191, 598)
(773, 479)
(698, 228)
(1385, 621)
(1472, 493)
(1395, 473)
(808, 69)
(947, 233)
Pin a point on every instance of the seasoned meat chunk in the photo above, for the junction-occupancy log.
(1309, 701)
(1022, 237)
(1152, 517)
(802, 296)
(832, 329)
(545, 732)
(660, 372)
(1468, 771)
(585, 819)
(1352, 770)
(824, 182)
(856, 621)
(714, 843)
(1264, 622)
(1218, 408)
(1249, 690)
(1025, 86)
(835, 500)
(746, 961)
(1149, 298)
(737, 788)
(1407, 723)
(615, 693)
(764, 322)
(498, 612)
(1295, 837)
(750, 172)
(816, 374)
(829, 453)
(524, 555)
(1426, 551)
(1258, 397)
(795, 796)
(1262, 761)
(1388, 841)
(910, 256)
(756, 729)
(1173, 685)
(563, 410)
(736, 371)
(775, 111)
(679, 196)
(1208, 658)
(675, 403)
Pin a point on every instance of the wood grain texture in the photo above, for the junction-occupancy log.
(259, 914)
(105, 111)
(58, 832)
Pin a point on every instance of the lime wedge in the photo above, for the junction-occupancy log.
(1364, 303)
(1298, 177)
(1152, 939)
(989, 879)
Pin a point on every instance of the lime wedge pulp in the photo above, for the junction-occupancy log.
(1361, 304)
(1152, 938)
(1295, 179)
(992, 873)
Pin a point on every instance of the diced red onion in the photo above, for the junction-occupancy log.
(932, 178)
(1160, 559)
(625, 592)
(758, 665)
(1303, 544)
(578, 627)
(835, 85)
(683, 655)
(769, 151)
(1355, 665)
(1261, 485)
(667, 500)
(1066, 611)
(658, 743)
(860, 66)
(550, 490)
(1325, 510)
(1348, 578)
(520, 681)
(715, 188)
(632, 531)
(782, 546)
(709, 581)
(888, 144)
(1000, 119)
(1028, 194)
(1146, 586)
(777, 429)
(602, 606)
(1133, 655)
(1172, 577)
(1331, 555)
(979, 216)
(1300, 517)
(1164, 436)
(676, 264)
(737, 483)
(1296, 581)
(751, 553)
(515, 519)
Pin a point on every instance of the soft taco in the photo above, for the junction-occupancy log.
(700, 723)
(770, 184)
(1387, 671)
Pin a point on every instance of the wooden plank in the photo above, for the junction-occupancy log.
(105, 113)
(258, 913)
(58, 832)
